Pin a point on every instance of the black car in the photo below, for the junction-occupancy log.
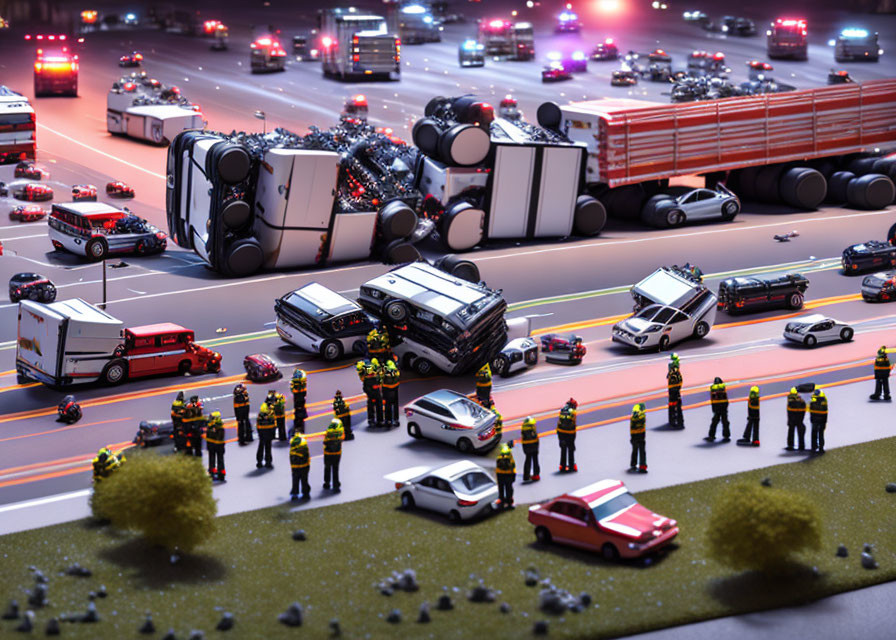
(31, 286)
(868, 255)
(879, 287)
(559, 348)
(757, 293)
(152, 434)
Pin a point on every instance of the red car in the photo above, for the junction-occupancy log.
(133, 59)
(568, 348)
(555, 72)
(27, 213)
(259, 367)
(84, 192)
(34, 193)
(119, 189)
(602, 517)
(31, 171)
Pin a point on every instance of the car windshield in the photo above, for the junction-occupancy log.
(647, 313)
(472, 482)
(462, 407)
(615, 505)
(306, 307)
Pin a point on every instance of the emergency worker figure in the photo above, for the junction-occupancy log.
(298, 385)
(638, 437)
(241, 412)
(300, 463)
(265, 423)
(796, 415)
(374, 344)
(276, 402)
(484, 386)
(530, 448)
(342, 411)
(215, 442)
(505, 469)
(566, 436)
(177, 416)
(499, 426)
(674, 382)
(882, 369)
(105, 463)
(390, 394)
(751, 433)
(818, 416)
(194, 425)
(718, 398)
(369, 372)
(332, 454)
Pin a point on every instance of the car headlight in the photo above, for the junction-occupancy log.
(640, 339)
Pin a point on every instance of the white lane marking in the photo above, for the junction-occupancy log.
(37, 235)
(590, 245)
(102, 153)
(25, 504)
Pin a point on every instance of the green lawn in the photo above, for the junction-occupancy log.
(255, 569)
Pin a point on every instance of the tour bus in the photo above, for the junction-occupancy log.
(17, 125)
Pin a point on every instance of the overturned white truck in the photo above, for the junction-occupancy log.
(249, 201)
(143, 108)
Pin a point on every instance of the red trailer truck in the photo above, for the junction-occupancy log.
(774, 147)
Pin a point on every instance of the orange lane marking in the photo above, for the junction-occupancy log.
(61, 429)
(56, 474)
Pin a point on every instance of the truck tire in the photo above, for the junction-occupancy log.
(746, 182)
(837, 186)
(331, 350)
(549, 115)
(397, 220)
(228, 161)
(589, 217)
(458, 267)
(243, 258)
(464, 145)
(235, 214)
(461, 226)
(885, 166)
(825, 166)
(871, 191)
(433, 105)
(425, 135)
(115, 372)
(423, 367)
(648, 211)
(861, 166)
(97, 249)
(472, 110)
(400, 252)
(803, 188)
(767, 181)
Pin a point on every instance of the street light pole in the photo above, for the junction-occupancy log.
(264, 122)
(103, 305)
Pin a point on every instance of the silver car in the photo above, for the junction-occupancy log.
(460, 490)
(516, 355)
(693, 205)
(814, 329)
(659, 327)
(450, 417)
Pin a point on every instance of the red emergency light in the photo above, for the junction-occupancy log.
(719, 55)
(327, 42)
(360, 100)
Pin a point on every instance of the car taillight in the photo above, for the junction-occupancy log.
(467, 503)
(399, 485)
(161, 236)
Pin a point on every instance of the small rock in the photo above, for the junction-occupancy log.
(551, 602)
(299, 535)
(101, 592)
(52, 627)
(386, 590)
(170, 635)
(27, 624)
(540, 628)
(196, 634)
(868, 547)
(91, 595)
(174, 558)
(407, 581)
(505, 608)
(226, 622)
(424, 616)
(481, 593)
(91, 615)
(444, 603)
(39, 576)
(38, 596)
(78, 571)
(148, 625)
(766, 482)
(12, 611)
(531, 577)
(842, 551)
(335, 629)
(891, 487)
(585, 599)
(394, 616)
(868, 561)
(292, 617)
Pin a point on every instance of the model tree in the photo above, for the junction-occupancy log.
(760, 528)
(168, 499)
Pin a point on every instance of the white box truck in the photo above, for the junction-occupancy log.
(145, 115)
(65, 342)
(355, 45)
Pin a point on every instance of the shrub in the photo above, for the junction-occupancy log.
(168, 499)
(753, 527)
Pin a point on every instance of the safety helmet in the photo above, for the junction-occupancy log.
(239, 387)
(674, 357)
(194, 399)
(298, 374)
(882, 351)
(373, 332)
(335, 423)
(529, 421)
(215, 416)
(264, 408)
(390, 364)
(572, 403)
(505, 450)
(718, 380)
(638, 408)
(338, 393)
(754, 390)
(819, 393)
(486, 368)
(793, 391)
(180, 396)
(375, 362)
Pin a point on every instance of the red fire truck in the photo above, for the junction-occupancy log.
(55, 71)
(787, 39)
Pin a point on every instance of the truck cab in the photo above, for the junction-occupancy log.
(166, 348)
(55, 71)
(267, 54)
(786, 38)
(496, 36)
(355, 45)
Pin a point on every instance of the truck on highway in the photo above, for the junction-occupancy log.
(787, 38)
(523, 41)
(356, 45)
(267, 54)
(74, 342)
(56, 71)
(149, 111)
(17, 127)
(856, 45)
(416, 25)
(496, 36)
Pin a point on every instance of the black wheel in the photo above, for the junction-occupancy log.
(331, 350)
(414, 430)
(34, 295)
(846, 334)
(729, 210)
(423, 366)
(115, 372)
(454, 515)
(183, 367)
(664, 343)
(396, 311)
(795, 301)
(501, 365)
(464, 445)
(407, 500)
(701, 329)
(141, 249)
(810, 341)
(97, 249)
(543, 535)
(609, 552)
(674, 218)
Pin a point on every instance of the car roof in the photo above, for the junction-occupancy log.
(451, 471)
(811, 319)
(599, 492)
(89, 209)
(326, 299)
(430, 288)
(443, 396)
(155, 329)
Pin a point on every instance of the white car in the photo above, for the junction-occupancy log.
(673, 209)
(451, 417)
(814, 329)
(517, 354)
(659, 327)
(460, 490)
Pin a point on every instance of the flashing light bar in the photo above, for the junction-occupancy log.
(413, 9)
(496, 24)
(852, 32)
(568, 16)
